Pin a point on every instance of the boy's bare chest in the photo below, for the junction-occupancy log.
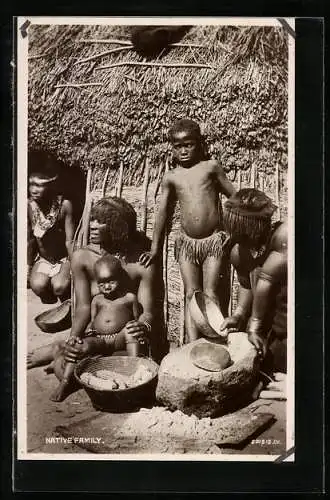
(193, 180)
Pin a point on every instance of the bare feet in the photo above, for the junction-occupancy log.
(41, 356)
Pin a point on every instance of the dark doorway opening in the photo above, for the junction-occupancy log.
(72, 179)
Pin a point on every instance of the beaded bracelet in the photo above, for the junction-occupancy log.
(148, 326)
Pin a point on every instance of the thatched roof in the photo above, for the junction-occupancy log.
(123, 112)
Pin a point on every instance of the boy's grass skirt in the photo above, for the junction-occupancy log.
(197, 250)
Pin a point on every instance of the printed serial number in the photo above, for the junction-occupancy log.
(262, 442)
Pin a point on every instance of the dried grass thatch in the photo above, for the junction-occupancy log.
(99, 117)
(110, 119)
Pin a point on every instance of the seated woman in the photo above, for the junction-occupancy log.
(112, 231)
(50, 234)
(259, 256)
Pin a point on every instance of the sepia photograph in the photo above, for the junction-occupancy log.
(155, 214)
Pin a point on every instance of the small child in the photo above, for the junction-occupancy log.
(196, 183)
(111, 310)
(114, 306)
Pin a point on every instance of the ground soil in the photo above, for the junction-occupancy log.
(43, 415)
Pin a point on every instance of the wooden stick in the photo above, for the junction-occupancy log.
(262, 181)
(277, 189)
(158, 181)
(110, 40)
(104, 184)
(231, 302)
(86, 214)
(74, 246)
(253, 175)
(77, 85)
(154, 64)
(37, 57)
(165, 263)
(120, 179)
(182, 314)
(129, 44)
(145, 195)
(239, 179)
(97, 56)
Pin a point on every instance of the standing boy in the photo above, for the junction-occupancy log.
(50, 237)
(196, 183)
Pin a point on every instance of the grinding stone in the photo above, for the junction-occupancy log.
(210, 357)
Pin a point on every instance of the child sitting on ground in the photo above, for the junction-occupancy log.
(111, 310)
(196, 183)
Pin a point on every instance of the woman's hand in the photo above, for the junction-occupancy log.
(136, 329)
(75, 349)
(147, 258)
(259, 343)
(231, 324)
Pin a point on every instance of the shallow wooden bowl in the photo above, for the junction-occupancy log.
(211, 357)
(206, 315)
(56, 319)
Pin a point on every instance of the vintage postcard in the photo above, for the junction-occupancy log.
(155, 214)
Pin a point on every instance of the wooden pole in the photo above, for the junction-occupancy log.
(102, 54)
(120, 179)
(182, 313)
(159, 178)
(77, 85)
(261, 181)
(104, 184)
(129, 44)
(253, 175)
(239, 179)
(277, 189)
(145, 195)
(165, 261)
(154, 64)
(87, 209)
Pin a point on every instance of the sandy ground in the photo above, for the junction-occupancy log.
(43, 415)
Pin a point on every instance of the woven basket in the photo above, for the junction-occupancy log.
(56, 319)
(121, 399)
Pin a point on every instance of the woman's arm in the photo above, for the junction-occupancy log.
(244, 303)
(147, 293)
(272, 272)
(32, 246)
(68, 226)
(94, 308)
(82, 286)
(146, 296)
